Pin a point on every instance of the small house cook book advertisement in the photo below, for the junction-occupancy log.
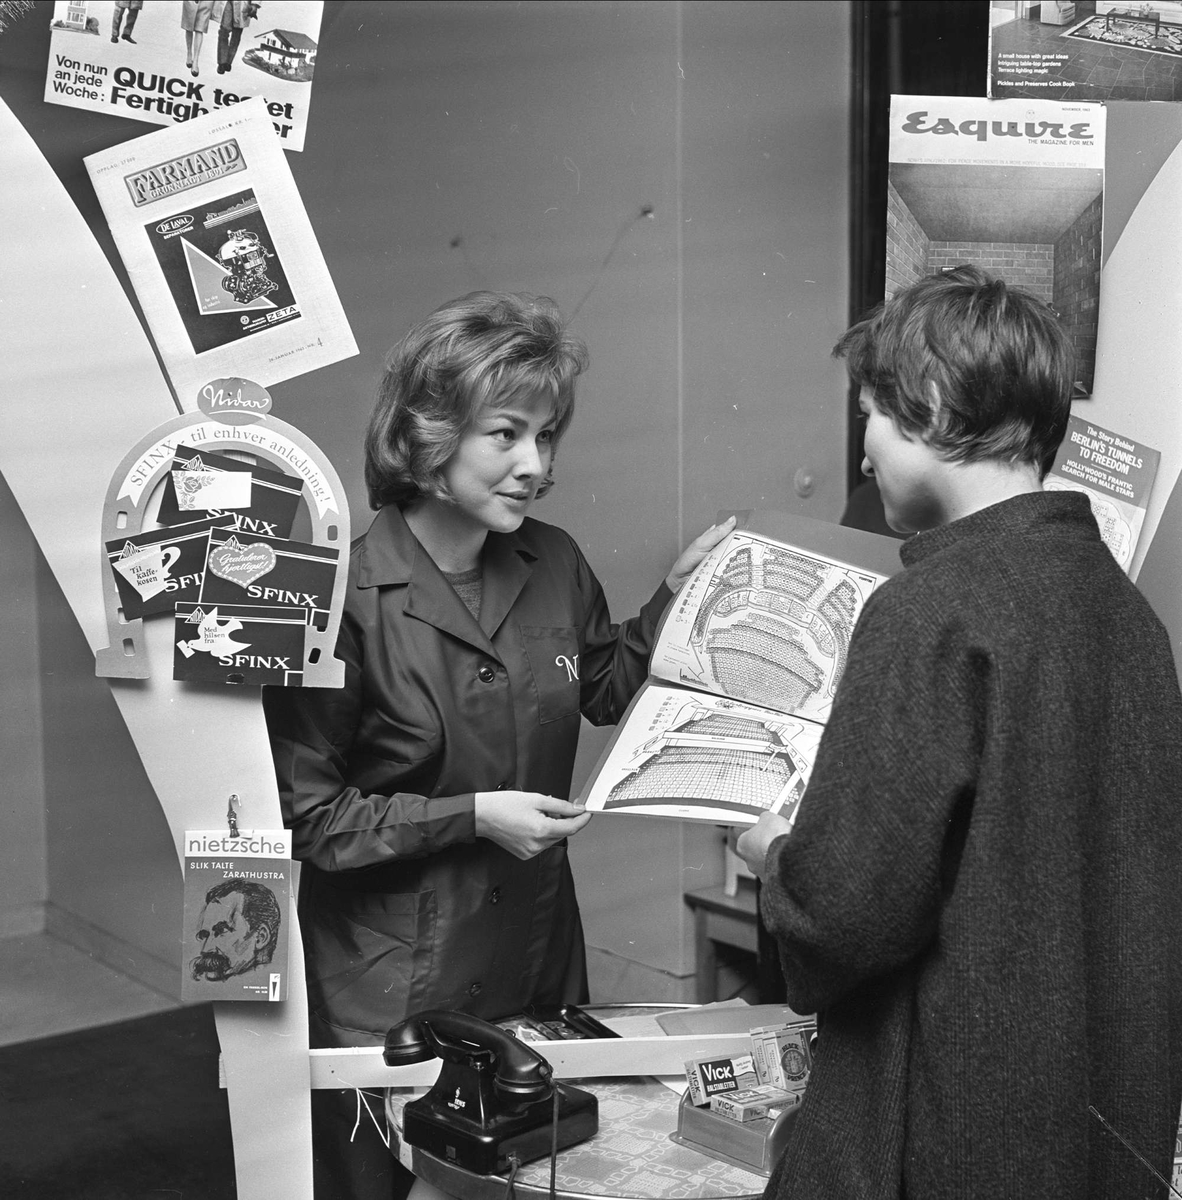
(746, 664)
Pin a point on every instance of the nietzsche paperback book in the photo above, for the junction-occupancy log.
(743, 674)
(237, 918)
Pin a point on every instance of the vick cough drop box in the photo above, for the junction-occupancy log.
(715, 1076)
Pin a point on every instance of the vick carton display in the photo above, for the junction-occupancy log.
(783, 1054)
(708, 1077)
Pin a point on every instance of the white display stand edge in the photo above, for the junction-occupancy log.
(82, 386)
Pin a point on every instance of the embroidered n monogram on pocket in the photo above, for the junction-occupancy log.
(553, 654)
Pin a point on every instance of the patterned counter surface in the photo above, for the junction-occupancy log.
(631, 1156)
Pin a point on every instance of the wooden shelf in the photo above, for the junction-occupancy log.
(724, 920)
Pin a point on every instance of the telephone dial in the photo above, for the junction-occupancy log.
(495, 1101)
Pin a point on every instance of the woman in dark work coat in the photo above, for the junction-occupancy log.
(426, 797)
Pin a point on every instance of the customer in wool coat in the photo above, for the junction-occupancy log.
(980, 895)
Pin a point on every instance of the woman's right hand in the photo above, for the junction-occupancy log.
(526, 823)
(692, 556)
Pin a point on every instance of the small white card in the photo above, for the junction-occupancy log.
(201, 491)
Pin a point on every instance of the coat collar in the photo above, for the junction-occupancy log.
(391, 555)
(1067, 513)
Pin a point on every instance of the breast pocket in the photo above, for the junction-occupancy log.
(553, 654)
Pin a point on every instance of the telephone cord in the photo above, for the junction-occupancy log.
(514, 1163)
(554, 1143)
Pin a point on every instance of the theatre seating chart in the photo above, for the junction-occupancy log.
(743, 675)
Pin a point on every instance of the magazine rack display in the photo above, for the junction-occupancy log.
(92, 443)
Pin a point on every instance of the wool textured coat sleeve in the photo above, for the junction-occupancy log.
(854, 891)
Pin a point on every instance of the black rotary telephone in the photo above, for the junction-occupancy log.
(495, 1103)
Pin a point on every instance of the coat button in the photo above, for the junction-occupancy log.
(474, 990)
(486, 674)
(494, 897)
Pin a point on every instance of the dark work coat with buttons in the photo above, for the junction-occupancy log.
(402, 907)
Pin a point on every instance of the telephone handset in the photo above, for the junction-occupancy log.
(495, 1099)
(457, 1037)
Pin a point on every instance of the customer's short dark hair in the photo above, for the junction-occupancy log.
(486, 347)
(976, 368)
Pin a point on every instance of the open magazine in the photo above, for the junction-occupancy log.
(743, 674)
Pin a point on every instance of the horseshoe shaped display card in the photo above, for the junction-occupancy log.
(187, 480)
(202, 483)
(246, 569)
(239, 643)
(156, 569)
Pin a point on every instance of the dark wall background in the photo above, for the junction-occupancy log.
(905, 48)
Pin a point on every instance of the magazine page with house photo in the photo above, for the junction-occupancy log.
(166, 63)
(1095, 50)
(1015, 187)
(743, 674)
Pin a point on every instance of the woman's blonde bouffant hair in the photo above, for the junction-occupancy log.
(484, 348)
